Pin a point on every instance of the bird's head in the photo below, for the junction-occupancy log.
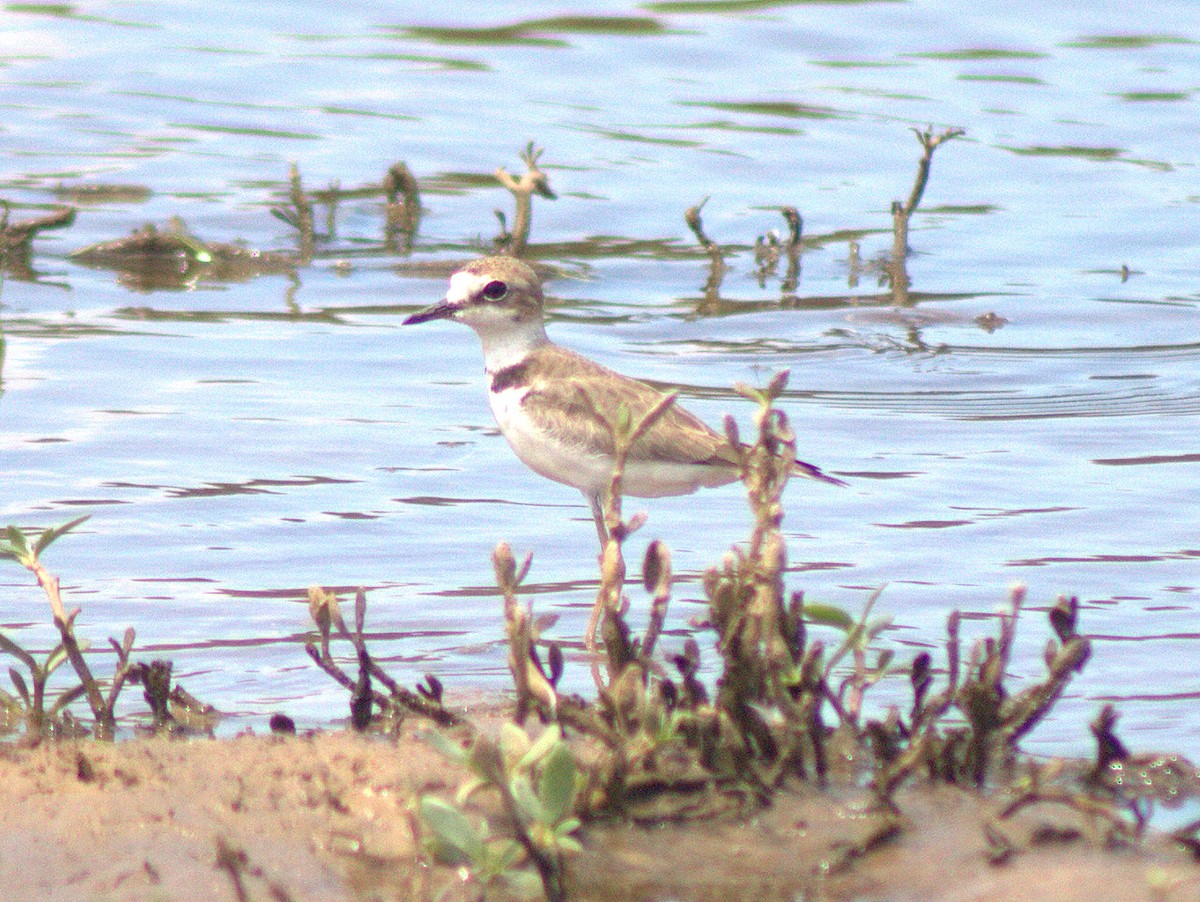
(488, 294)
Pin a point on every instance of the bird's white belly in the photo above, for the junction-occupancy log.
(541, 452)
(590, 471)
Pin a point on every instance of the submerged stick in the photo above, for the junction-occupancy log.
(902, 212)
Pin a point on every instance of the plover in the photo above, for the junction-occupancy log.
(539, 394)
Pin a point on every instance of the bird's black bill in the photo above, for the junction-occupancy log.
(440, 310)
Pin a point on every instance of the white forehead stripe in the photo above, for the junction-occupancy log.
(463, 285)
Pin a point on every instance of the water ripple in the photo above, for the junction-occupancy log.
(1014, 404)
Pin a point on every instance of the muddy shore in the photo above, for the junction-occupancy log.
(326, 816)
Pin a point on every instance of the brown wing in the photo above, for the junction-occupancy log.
(559, 398)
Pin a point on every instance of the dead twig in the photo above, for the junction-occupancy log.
(902, 212)
(533, 181)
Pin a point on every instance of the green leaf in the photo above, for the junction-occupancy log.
(16, 544)
(55, 658)
(550, 737)
(486, 760)
(524, 885)
(446, 746)
(469, 787)
(563, 838)
(828, 615)
(567, 826)
(55, 532)
(452, 829)
(570, 845)
(514, 743)
(528, 804)
(557, 784)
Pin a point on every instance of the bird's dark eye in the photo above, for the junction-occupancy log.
(495, 291)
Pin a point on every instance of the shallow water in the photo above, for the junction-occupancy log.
(237, 441)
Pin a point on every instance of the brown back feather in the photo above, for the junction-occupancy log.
(566, 381)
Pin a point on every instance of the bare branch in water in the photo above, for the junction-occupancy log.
(534, 181)
(902, 212)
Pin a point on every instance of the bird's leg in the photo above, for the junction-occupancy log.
(598, 516)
